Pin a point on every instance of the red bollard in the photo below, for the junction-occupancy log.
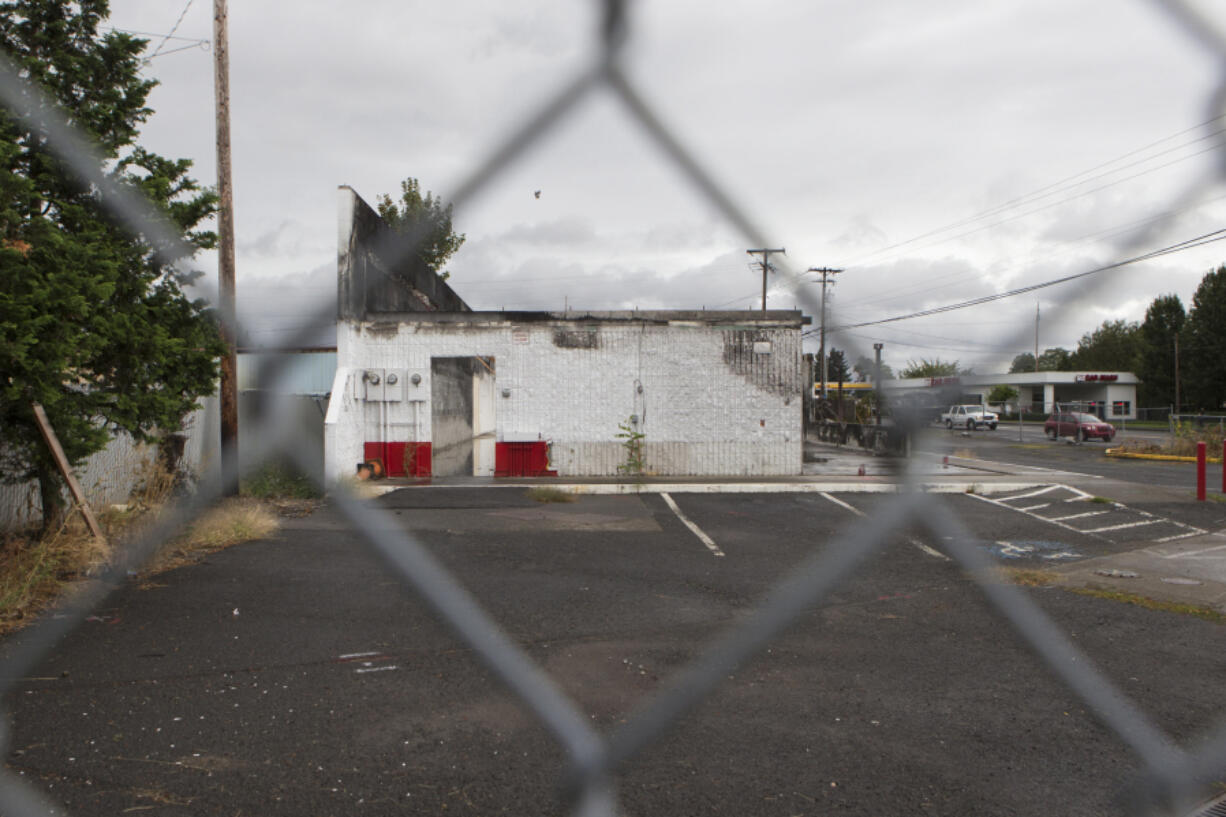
(1200, 470)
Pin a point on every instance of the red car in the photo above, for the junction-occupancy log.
(1081, 426)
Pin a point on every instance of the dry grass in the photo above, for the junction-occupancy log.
(231, 522)
(36, 570)
(1181, 444)
(1195, 610)
(546, 494)
(1026, 577)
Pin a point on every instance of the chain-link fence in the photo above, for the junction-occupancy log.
(1170, 778)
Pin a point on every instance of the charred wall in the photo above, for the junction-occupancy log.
(376, 272)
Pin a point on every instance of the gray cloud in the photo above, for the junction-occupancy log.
(863, 125)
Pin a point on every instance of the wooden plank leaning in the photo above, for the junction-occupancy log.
(61, 461)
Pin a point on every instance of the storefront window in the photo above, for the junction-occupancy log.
(1121, 408)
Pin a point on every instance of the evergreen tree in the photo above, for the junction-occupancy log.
(1113, 347)
(412, 213)
(1056, 359)
(1203, 345)
(1164, 321)
(836, 367)
(94, 323)
(932, 368)
(1022, 363)
(865, 366)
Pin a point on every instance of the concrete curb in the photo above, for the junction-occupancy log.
(969, 486)
(1115, 452)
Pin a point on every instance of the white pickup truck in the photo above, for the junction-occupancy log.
(969, 417)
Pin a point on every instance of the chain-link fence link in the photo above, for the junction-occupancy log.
(1170, 779)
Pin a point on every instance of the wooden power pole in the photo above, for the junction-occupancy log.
(766, 265)
(822, 346)
(225, 255)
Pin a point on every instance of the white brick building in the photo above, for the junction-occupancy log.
(435, 392)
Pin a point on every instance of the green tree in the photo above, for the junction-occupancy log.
(1022, 363)
(426, 220)
(1113, 347)
(1056, 359)
(836, 367)
(865, 366)
(1203, 344)
(1164, 321)
(932, 368)
(94, 323)
(1002, 394)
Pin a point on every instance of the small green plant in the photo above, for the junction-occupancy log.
(1101, 500)
(278, 481)
(632, 443)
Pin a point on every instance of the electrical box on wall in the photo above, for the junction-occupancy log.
(381, 385)
(415, 385)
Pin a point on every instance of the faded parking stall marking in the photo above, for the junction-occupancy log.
(910, 539)
(1113, 517)
(697, 531)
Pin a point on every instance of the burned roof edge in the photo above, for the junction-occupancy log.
(723, 318)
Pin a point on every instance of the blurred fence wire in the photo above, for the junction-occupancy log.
(1171, 779)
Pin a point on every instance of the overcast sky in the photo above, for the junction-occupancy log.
(872, 137)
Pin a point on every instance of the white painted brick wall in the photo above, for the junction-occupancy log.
(700, 415)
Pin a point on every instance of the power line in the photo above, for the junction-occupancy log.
(173, 29)
(1199, 241)
(1082, 194)
(1062, 185)
(906, 293)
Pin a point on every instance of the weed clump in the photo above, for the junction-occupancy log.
(546, 494)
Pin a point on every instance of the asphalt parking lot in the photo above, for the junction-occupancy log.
(298, 676)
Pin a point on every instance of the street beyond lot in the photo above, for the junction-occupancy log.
(298, 676)
(1028, 446)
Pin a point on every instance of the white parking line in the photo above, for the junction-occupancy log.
(697, 531)
(1031, 493)
(910, 539)
(1192, 532)
(1125, 525)
(1190, 553)
(843, 504)
(1034, 507)
(1076, 516)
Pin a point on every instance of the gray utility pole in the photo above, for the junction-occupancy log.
(877, 378)
(766, 265)
(1036, 336)
(225, 255)
(822, 346)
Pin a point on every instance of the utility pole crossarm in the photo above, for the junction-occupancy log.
(765, 252)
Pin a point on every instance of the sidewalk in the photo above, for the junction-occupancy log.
(826, 468)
